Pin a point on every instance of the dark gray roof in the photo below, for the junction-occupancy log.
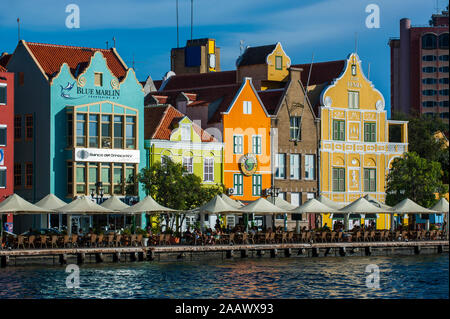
(255, 55)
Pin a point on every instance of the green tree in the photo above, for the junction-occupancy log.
(170, 185)
(415, 178)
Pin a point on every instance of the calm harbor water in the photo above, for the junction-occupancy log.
(400, 277)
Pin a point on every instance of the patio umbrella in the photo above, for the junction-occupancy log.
(407, 206)
(231, 202)
(51, 202)
(217, 206)
(281, 203)
(261, 206)
(17, 205)
(377, 203)
(312, 206)
(442, 206)
(325, 200)
(115, 204)
(359, 206)
(147, 205)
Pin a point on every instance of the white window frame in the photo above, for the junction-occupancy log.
(294, 167)
(240, 149)
(258, 149)
(247, 107)
(298, 196)
(5, 127)
(208, 161)
(185, 132)
(308, 169)
(188, 163)
(277, 166)
(353, 99)
(3, 168)
(4, 85)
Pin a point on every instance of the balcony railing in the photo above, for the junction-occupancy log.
(397, 147)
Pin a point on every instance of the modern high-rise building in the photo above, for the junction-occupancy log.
(419, 67)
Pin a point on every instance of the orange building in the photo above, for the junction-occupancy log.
(246, 135)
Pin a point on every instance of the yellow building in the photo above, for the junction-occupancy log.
(355, 149)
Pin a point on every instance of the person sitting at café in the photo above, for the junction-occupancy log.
(325, 227)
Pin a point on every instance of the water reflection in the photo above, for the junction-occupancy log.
(332, 277)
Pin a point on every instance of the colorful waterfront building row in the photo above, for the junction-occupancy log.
(84, 125)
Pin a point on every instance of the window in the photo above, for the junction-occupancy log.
(93, 130)
(443, 41)
(238, 141)
(17, 175)
(429, 104)
(443, 92)
(3, 91)
(443, 69)
(295, 166)
(444, 115)
(278, 62)
(98, 79)
(443, 81)
(370, 132)
(429, 41)
(443, 103)
(130, 176)
(69, 129)
(28, 127)
(296, 199)
(81, 129)
(429, 58)
(256, 144)
(164, 160)
(443, 57)
(256, 184)
(2, 177)
(338, 130)
(185, 132)
(370, 180)
(93, 176)
(17, 127)
(295, 128)
(429, 81)
(280, 166)
(118, 131)
(118, 178)
(247, 107)
(353, 69)
(3, 138)
(238, 184)
(105, 177)
(310, 167)
(130, 132)
(429, 69)
(29, 175)
(208, 169)
(338, 179)
(188, 164)
(106, 131)
(353, 99)
(429, 92)
(80, 173)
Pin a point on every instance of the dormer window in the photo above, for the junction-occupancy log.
(278, 62)
(98, 79)
(353, 69)
(185, 132)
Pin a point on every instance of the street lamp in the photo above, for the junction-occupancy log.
(98, 191)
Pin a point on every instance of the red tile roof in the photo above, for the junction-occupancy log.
(52, 56)
(4, 59)
(160, 121)
(2, 69)
(188, 81)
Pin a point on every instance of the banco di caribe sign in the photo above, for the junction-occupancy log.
(248, 164)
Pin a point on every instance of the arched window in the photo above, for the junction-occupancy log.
(429, 41)
(443, 41)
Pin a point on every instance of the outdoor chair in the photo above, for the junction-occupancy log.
(110, 240)
(251, 238)
(308, 236)
(65, 241)
(397, 235)
(323, 236)
(93, 240)
(118, 240)
(372, 235)
(74, 241)
(244, 238)
(303, 237)
(366, 236)
(340, 236)
(266, 238)
(439, 234)
(433, 235)
(43, 240)
(161, 239)
(54, 241)
(333, 237)
(167, 238)
(133, 240)
(100, 240)
(31, 241)
(358, 236)
(20, 241)
(404, 235)
(290, 237)
(272, 238)
(139, 240)
(231, 238)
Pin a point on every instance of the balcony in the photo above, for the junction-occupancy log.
(397, 148)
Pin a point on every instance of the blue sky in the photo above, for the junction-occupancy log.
(146, 30)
